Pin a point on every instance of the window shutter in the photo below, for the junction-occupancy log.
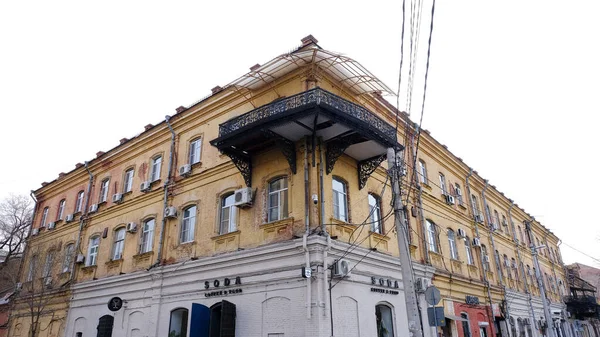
(227, 319)
(200, 320)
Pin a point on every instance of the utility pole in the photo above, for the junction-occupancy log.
(410, 296)
(538, 275)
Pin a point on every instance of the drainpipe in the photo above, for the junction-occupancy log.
(166, 193)
(420, 196)
(82, 218)
(521, 263)
(307, 229)
(323, 229)
(481, 256)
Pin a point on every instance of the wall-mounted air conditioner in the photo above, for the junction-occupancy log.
(461, 233)
(170, 212)
(70, 218)
(80, 258)
(243, 197)
(476, 242)
(341, 268)
(51, 225)
(185, 170)
(93, 208)
(117, 198)
(131, 227)
(145, 186)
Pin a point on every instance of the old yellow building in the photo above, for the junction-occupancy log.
(264, 210)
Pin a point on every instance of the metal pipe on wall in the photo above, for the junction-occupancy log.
(82, 219)
(307, 230)
(166, 193)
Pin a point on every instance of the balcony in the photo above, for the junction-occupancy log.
(343, 126)
(582, 306)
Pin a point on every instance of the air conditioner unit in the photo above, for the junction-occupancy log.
(51, 225)
(35, 231)
(486, 258)
(93, 208)
(461, 233)
(341, 268)
(70, 217)
(117, 198)
(243, 197)
(494, 226)
(478, 218)
(131, 227)
(170, 212)
(185, 170)
(80, 258)
(506, 264)
(449, 199)
(476, 242)
(19, 286)
(421, 284)
(48, 281)
(145, 186)
(513, 264)
(530, 272)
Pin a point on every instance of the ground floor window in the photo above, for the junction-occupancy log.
(105, 326)
(465, 325)
(222, 320)
(385, 322)
(178, 323)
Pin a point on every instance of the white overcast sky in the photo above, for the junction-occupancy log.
(513, 85)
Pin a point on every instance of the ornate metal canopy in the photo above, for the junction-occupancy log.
(345, 127)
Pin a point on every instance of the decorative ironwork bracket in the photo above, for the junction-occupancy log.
(243, 163)
(336, 148)
(366, 167)
(287, 147)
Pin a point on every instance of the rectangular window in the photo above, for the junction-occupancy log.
(93, 251)
(118, 244)
(79, 202)
(104, 190)
(431, 236)
(458, 194)
(195, 147)
(155, 173)
(32, 268)
(44, 217)
(340, 200)
(277, 200)
(422, 172)
(443, 184)
(61, 209)
(469, 251)
(375, 213)
(147, 236)
(475, 205)
(187, 225)
(452, 245)
(48, 264)
(128, 181)
(68, 261)
(228, 214)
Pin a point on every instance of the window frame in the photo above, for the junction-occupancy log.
(92, 253)
(79, 202)
(423, 172)
(67, 265)
(104, 187)
(191, 224)
(47, 271)
(458, 194)
(191, 153)
(452, 244)
(61, 209)
(282, 212)
(147, 236)
(44, 216)
(375, 213)
(431, 236)
(443, 186)
(340, 196)
(155, 168)
(128, 180)
(185, 317)
(391, 319)
(231, 214)
(469, 251)
(32, 267)
(118, 243)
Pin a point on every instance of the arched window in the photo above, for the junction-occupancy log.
(469, 251)
(195, 146)
(61, 209)
(188, 223)
(431, 236)
(375, 213)
(44, 217)
(93, 251)
(32, 268)
(385, 321)
(423, 172)
(68, 260)
(486, 264)
(147, 236)
(465, 325)
(79, 202)
(277, 204)
(452, 244)
(340, 200)
(505, 225)
(521, 235)
(128, 181)
(458, 194)
(155, 168)
(497, 220)
(48, 264)
(103, 190)
(507, 266)
(118, 244)
(178, 323)
(443, 187)
(228, 214)
(105, 326)
(475, 206)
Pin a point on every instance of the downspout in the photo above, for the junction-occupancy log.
(522, 265)
(307, 229)
(166, 193)
(323, 229)
(496, 256)
(481, 256)
(82, 218)
(416, 177)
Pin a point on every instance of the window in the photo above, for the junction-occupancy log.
(68, 261)
(48, 264)
(44, 217)
(32, 268)
(147, 236)
(475, 205)
(187, 224)
(498, 263)
(486, 265)
(431, 236)
(103, 190)
(155, 169)
(105, 326)
(79, 202)
(340, 200)
(507, 266)
(128, 181)
(513, 265)
(532, 277)
(465, 325)
(469, 251)
(195, 147)
(497, 219)
(178, 323)
(505, 224)
(228, 214)
(488, 214)
(521, 235)
(61, 209)
(93, 251)
(530, 273)
(458, 194)
(452, 244)
(222, 319)
(423, 172)
(278, 200)
(385, 321)
(443, 184)
(117, 252)
(375, 213)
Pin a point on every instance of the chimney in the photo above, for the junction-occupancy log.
(61, 175)
(308, 40)
(254, 67)
(148, 127)
(78, 165)
(180, 109)
(216, 89)
(44, 184)
(123, 140)
(99, 153)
